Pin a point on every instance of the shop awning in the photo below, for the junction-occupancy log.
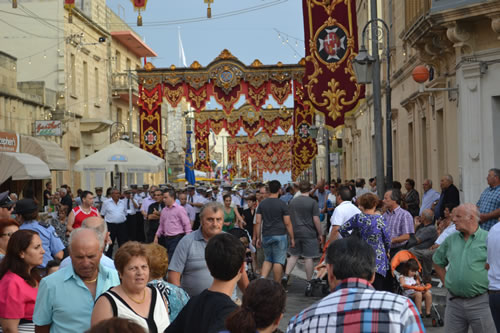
(22, 166)
(47, 151)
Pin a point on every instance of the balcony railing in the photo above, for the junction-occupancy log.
(415, 9)
(120, 83)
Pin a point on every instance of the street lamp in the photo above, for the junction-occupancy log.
(363, 66)
(367, 69)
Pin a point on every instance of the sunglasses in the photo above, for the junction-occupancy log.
(7, 234)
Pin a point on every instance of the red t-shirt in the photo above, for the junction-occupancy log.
(80, 215)
(17, 298)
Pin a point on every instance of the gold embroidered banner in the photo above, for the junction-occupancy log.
(330, 84)
(150, 119)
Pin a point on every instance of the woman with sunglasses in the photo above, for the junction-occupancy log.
(8, 226)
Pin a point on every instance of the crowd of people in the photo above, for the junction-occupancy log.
(164, 259)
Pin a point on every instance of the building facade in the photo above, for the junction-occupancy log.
(89, 65)
(435, 130)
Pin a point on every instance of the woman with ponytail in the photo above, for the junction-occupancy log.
(261, 310)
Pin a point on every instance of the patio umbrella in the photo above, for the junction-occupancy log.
(121, 156)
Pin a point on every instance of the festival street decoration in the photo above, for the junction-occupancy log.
(150, 96)
(138, 6)
(69, 5)
(304, 146)
(268, 154)
(227, 80)
(330, 86)
(248, 119)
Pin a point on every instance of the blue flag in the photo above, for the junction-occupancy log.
(188, 162)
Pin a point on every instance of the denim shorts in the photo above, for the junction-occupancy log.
(275, 248)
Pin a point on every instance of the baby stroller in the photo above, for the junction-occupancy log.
(244, 237)
(401, 257)
(319, 279)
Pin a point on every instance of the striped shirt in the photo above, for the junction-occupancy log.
(355, 306)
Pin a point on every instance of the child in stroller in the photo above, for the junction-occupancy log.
(412, 286)
(244, 237)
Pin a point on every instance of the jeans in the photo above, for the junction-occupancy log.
(275, 248)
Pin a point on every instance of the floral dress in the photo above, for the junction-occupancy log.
(176, 297)
(372, 229)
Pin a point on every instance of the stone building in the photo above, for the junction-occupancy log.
(85, 63)
(435, 131)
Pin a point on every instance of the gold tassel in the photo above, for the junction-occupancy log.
(14, 3)
(209, 12)
(70, 16)
(139, 20)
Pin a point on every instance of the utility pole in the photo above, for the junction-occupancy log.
(130, 108)
(377, 105)
(327, 157)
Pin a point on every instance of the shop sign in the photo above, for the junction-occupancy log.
(48, 128)
(9, 142)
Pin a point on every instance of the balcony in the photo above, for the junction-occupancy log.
(435, 26)
(120, 87)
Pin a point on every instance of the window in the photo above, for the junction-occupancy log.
(96, 86)
(118, 61)
(129, 64)
(85, 88)
(425, 159)
(73, 74)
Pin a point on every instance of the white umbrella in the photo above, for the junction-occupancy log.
(121, 156)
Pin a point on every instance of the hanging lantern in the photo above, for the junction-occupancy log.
(138, 6)
(14, 3)
(69, 5)
(209, 10)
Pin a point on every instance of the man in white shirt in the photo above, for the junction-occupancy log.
(429, 196)
(114, 212)
(132, 209)
(198, 201)
(493, 265)
(343, 212)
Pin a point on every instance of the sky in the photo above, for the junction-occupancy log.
(268, 30)
(253, 34)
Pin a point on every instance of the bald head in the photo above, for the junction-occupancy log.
(466, 218)
(85, 237)
(97, 224)
(85, 250)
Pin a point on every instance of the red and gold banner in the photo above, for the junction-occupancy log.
(330, 83)
(304, 147)
(202, 131)
(150, 119)
(198, 97)
(173, 94)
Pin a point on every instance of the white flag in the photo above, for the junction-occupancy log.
(182, 56)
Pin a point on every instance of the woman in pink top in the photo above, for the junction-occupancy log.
(19, 281)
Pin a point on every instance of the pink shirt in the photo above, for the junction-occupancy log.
(173, 221)
(17, 298)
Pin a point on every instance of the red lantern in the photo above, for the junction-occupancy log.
(69, 5)
(138, 6)
(420, 74)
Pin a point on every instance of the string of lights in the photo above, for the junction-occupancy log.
(175, 22)
(285, 40)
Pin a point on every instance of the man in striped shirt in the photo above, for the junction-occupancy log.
(354, 305)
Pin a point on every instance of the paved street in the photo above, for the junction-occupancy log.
(296, 301)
